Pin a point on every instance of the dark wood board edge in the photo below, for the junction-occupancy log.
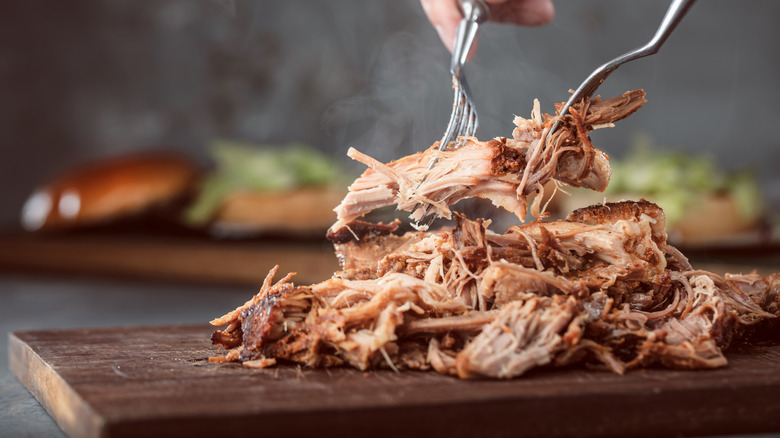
(68, 409)
(708, 414)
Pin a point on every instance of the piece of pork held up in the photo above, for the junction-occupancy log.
(503, 170)
(602, 288)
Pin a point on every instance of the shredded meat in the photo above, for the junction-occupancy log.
(602, 287)
(503, 170)
(599, 287)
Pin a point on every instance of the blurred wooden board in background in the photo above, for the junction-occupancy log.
(182, 259)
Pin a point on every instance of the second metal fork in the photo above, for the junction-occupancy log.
(463, 119)
(674, 14)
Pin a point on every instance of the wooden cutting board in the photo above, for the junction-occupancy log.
(156, 381)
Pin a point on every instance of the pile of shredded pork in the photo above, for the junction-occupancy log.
(601, 288)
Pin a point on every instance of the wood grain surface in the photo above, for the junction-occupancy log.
(159, 258)
(156, 381)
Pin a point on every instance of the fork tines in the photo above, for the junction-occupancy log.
(463, 120)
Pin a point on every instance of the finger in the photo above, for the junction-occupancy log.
(522, 12)
(444, 16)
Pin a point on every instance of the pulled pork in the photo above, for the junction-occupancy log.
(602, 287)
(503, 170)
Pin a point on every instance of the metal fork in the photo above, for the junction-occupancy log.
(674, 14)
(464, 121)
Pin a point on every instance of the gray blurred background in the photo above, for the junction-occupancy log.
(83, 80)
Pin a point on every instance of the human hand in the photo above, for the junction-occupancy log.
(444, 15)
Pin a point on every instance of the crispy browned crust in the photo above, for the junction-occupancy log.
(358, 230)
(614, 211)
(227, 339)
(506, 159)
(259, 320)
(303, 345)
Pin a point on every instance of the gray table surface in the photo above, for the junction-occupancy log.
(30, 303)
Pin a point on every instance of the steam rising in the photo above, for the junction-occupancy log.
(407, 94)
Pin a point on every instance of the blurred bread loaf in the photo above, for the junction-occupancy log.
(105, 190)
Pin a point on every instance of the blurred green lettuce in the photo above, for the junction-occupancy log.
(675, 180)
(243, 166)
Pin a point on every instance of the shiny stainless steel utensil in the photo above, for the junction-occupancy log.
(463, 119)
(673, 15)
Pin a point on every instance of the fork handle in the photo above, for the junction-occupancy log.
(674, 14)
(474, 12)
